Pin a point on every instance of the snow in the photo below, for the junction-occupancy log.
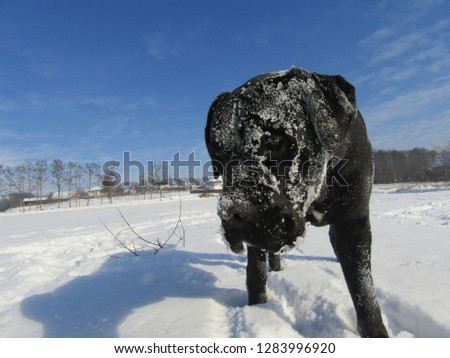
(63, 275)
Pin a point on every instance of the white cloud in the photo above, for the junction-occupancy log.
(111, 127)
(429, 132)
(109, 102)
(408, 103)
(14, 154)
(405, 80)
(406, 12)
(7, 104)
(407, 55)
(175, 40)
(161, 45)
(399, 46)
(115, 103)
(7, 134)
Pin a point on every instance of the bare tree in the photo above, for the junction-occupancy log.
(57, 171)
(392, 166)
(29, 174)
(40, 176)
(21, 178)
(108, 186)
(420, 162)
(3, 205)
(444, 154)
(1, 177)
(159, 177)
(69, 180)
(1, 174)
(443, 159)
(92, 170)
(9, 176)
(78, 176)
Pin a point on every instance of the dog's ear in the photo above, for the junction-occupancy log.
(220, 100)
(338, 110)
(215, 106)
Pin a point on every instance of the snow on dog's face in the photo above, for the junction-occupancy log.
(270, 139)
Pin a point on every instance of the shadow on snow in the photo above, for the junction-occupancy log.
(96, 305)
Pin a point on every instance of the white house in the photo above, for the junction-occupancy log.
(65, 195)
(95, 192)
(214, 184)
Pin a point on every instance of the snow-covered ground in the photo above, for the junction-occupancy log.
(62, 274)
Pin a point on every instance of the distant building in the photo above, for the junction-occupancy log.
(36, 201)
(64, 195)
(95, 192)
(214, 184)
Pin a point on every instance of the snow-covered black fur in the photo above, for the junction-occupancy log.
(292, 148)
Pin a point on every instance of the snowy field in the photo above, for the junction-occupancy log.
(63, 274)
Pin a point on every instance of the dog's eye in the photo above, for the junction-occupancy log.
(216, 154)
(274, 142)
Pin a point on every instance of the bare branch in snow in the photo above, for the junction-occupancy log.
(178, 231)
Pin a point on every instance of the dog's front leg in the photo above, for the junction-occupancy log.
(256, 275)
(274, 262)
(353, 239)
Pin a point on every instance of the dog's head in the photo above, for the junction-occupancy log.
(270, 140)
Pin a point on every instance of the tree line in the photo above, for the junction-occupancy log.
(74, 181)
(28, 180)
(25, 184)
(415, 165)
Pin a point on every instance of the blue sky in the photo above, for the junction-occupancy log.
(86, 80)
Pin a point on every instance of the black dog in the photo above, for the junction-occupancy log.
(292, 147)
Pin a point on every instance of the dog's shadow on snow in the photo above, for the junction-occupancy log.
(96, 305)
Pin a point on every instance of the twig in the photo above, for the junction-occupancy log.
(134, 252)
(134, 232)
(177, 227)
(179, 231)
